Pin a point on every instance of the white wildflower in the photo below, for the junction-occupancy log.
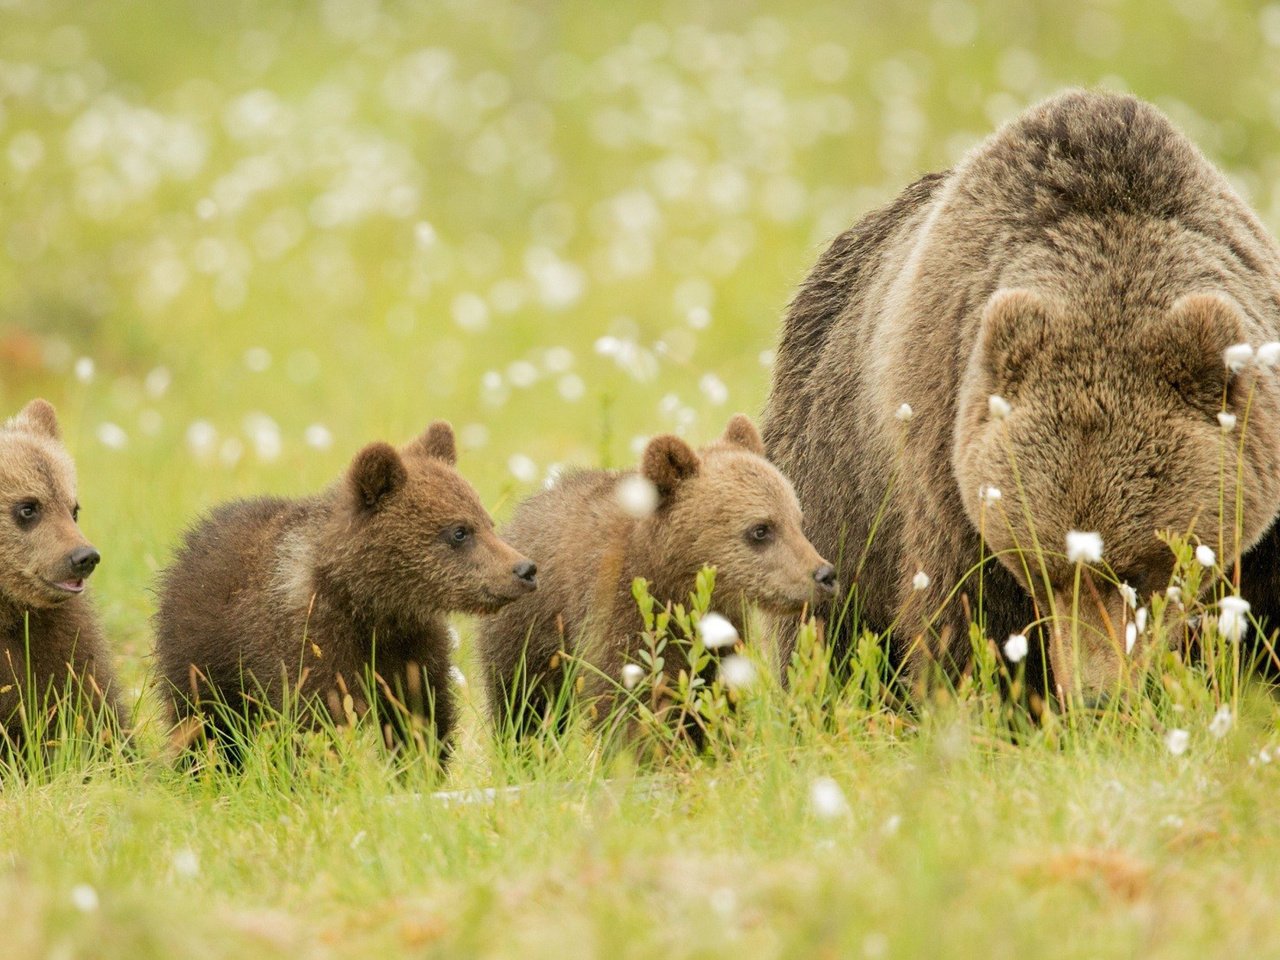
(891, 825)
(186, 862)
(737, 672)
(157, 382)
(827, 800)
(1084, 546)
(1205, 556)
(1227, 421)
(1130, 595)
(84, 898)
(202, 438)
(257, 359)
(1269, 354)
(632, 674)
(112, 436)
(920, 581)
(1174, 593)
(1130, 637)
(1237, 356)
(904, 413)
(1220, 725)
(1233, 617)
(84, 369)
(458, 677)
(522, 468)
(998, 407)
(716, 632)
(637, 496)
(1176, 741)
(989, 494)
(1140, 619)
(318, 436)
(1015, 648)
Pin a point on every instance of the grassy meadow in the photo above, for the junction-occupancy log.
(239, 240)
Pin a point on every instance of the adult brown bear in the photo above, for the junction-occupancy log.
(1088, 267)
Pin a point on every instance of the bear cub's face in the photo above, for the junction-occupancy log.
(420, 537)
(44, 558)
(1124, 441)
(728, 507)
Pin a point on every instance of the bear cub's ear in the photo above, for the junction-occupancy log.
(37, 417)
(376, 473)
(741, 432)
(438, 442)
(667, 462)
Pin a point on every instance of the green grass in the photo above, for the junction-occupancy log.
(438, 210)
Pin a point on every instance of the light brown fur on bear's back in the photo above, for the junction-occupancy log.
(1090, 265)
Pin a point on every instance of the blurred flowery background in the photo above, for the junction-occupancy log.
(241, 239)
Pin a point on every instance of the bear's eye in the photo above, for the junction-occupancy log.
(75, 513)
(26, 513)
(761, 533)
(459, 535)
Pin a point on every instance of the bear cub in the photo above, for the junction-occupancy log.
(335, 602)
(52, 654)
(724, 506)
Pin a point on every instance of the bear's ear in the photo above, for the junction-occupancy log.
(376, 473)
(37, 417)
(667, 462)
(741, 432)
(1015, 330)
(437, 441)
(1192, 344)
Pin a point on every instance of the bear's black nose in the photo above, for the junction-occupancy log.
(825, 577)
(83, 560)
(527, 573)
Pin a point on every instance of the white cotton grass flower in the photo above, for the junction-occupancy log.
(1176, 741)
(1268, 354)
(522, 467)
(1130, 595)
(1221, 723)
(632, 674)
(1227, 421)
(1206, 557)
(989, 495)
(185, 862)
(1174, 593)
(1130, 636)
(904, 413)
(826, 799)
(998, 407)
(737, 672)
(1015, 648)
(1084, 546)
(716, 632)
(1233, 617)
(458, 677)
(920, 581)
(1237, 356)
(84, 898)
(84, 369)
(318, 437)
(637, 496)
(1140, 619)
(112, 436)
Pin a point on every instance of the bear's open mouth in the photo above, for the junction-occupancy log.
(70, 586)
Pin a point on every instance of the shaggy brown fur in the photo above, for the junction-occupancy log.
(724, 506)
(1089, 265)
(273, 598)
(51, 645)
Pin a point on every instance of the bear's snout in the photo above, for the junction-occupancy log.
(83, 560)
(526, 574)
(825, 578)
